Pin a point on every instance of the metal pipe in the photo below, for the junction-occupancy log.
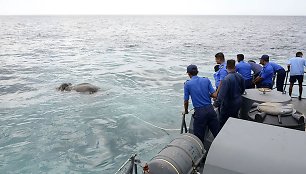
(279, 118)
(123, 165)
(185, 126)
(183, 123)
(287, 72)
(130, 169)
(135, 168)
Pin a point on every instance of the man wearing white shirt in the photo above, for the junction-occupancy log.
(296, 68)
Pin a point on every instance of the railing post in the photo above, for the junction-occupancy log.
(183, 123)
(131, 166)
(287, 72)
(185, 126)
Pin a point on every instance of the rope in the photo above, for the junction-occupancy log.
(122, 165)
(151, 124)
(158, 127)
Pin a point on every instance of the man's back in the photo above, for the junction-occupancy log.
(229, 96)
(199, 89)
(256, 68)
(244, 69)
(297, 66)
(232, 88)
(275, 66)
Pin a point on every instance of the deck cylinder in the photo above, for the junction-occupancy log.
(179, 157)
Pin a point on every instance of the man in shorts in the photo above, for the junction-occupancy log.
(296, 67)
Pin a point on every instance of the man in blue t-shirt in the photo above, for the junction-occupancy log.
(264, 80)
(280, 76)
(245, 70)
(221, 73)
(201, 90)
(296, 68)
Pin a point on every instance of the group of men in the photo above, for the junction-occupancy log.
(231, 80)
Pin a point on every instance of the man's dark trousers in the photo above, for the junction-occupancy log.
(203, 117)
(280, 78)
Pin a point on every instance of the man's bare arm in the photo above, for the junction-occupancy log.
(186, 103)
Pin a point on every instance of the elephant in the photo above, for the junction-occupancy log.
(82, 87)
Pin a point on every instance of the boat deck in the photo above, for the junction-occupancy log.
(299, 105)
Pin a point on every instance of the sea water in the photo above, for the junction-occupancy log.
(139, 62)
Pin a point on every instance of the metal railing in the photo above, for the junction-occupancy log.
(286, 81)
(184, 128)
(131, 168)
(183, 125)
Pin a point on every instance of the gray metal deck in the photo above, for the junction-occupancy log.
(245, 147)
(299, 105)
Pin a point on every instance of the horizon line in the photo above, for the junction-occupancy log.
(280, 15)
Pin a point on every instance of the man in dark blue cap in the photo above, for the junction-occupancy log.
(201, 90)
(265, 78)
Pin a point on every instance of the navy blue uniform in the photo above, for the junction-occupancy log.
(200, 90)
(280, 76)
(266, 74)
(229, 96)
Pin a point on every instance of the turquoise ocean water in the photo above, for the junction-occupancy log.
(139, 62)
